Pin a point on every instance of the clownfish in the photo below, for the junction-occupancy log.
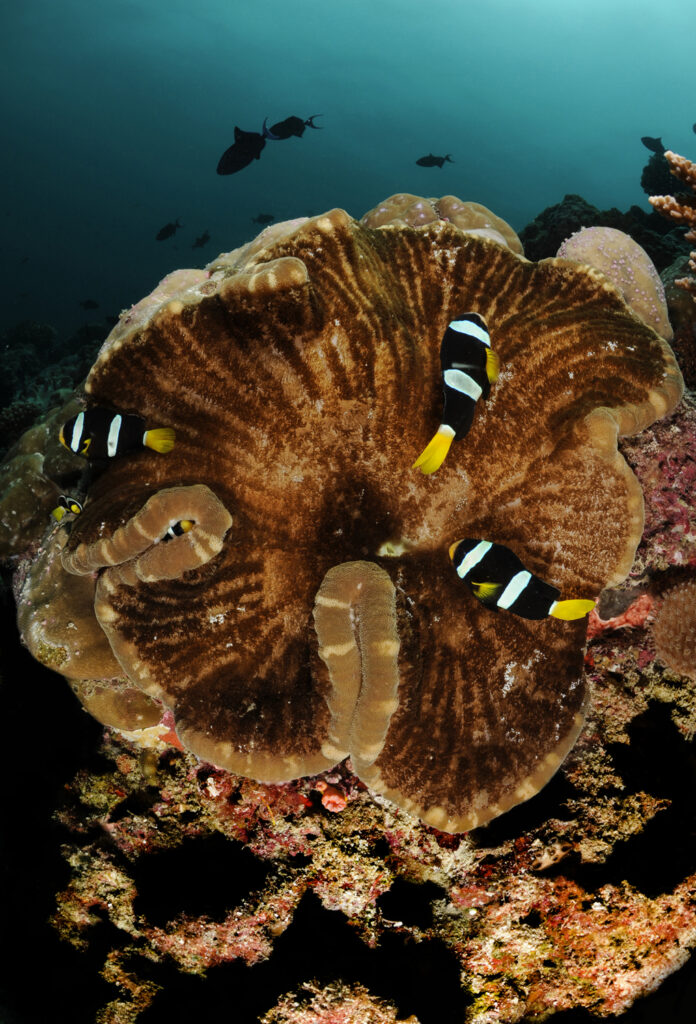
(99, 433)
(178, 529)
(469, 367)
(498, 579)
(66, 504)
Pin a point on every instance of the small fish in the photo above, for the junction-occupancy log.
(290, 126)
(201, 240)
(654, 145)
(498, 579)
(66, 505)
(89, 304)
(263, 218)
(434, 161)
(469, 367)
(246, 147)
(178, 529)
(100, 433)
(168, 230)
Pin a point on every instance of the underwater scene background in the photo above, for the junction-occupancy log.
(143, 882)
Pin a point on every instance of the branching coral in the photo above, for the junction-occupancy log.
(302, 375)
(681, 208)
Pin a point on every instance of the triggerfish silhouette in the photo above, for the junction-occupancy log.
(290, 126)
(469, 367)
(100, 433)
(498, 579)
(168, 230)
(434, 161)
(246, 147)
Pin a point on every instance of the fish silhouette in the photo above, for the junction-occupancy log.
(246, 147)
(434, 161)
(290, 126)
(168, 230)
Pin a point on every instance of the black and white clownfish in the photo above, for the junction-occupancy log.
(66, 504)
(178, 529)
(469, 367)
(100, 433)
(498, 579)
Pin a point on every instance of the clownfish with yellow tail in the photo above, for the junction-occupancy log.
(498, 579)
(66, 505)
(469, 367)
(100, 433)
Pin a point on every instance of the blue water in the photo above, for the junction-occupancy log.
(117, 111)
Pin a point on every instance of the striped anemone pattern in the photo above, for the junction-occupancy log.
(312, 612)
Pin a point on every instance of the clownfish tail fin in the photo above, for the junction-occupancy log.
(161, 439)
(434, 453)
(572, 609)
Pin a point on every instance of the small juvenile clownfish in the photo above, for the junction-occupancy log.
(498, 579)
(178, 529)
(66, 504)
(469, 367)
(99, 433)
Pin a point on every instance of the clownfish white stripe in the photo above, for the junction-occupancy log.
(76, 436)
(112, 439)
(514, 588)
(472, 329)
(473, 558)
(460, 381)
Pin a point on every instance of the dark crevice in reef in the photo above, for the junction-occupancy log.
(659, 761)
(411, 903)
(422, 979)
(529, 816)
(202, 877)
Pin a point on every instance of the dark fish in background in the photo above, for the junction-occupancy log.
(201, 240)
(246, 147)
(290, 126)
(434, 161)
(89, 304)
(654, 145)
(262, 218)
(167, 231)
(99, 433)
(693, 127)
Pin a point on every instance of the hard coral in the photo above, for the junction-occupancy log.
(627, 266)
(674, 631)
(302, 375)
(681, 208)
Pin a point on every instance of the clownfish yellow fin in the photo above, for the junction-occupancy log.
(186, 525)
(58, 513)
(573, 609)
(485, 591)
(161, 439)
(492, 365)
(433, 455)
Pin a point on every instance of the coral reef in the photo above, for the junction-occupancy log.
(306, 522)
(569, 901)
(681, 208)
(543, 236)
